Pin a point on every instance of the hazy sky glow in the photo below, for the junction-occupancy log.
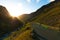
(18, 7)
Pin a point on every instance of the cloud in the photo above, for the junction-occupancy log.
(38, 1)
(28, 1)
(31, 0)
(52, 0)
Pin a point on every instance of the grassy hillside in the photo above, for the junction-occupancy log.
(21, 34)
(26, 32)
(50, 15)
(46, 23)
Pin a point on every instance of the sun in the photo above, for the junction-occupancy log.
(15, 10)
(15, 14)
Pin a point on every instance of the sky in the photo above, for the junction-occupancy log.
(19, 7)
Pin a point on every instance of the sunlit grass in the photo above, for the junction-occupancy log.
(23, 34)
(50, 27)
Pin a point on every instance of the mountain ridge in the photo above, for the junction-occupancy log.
(7, 22)
(40, 22)
(46, 11)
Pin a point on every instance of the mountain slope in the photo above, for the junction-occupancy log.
(8, 23)
(41, 24)
(49, 14)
